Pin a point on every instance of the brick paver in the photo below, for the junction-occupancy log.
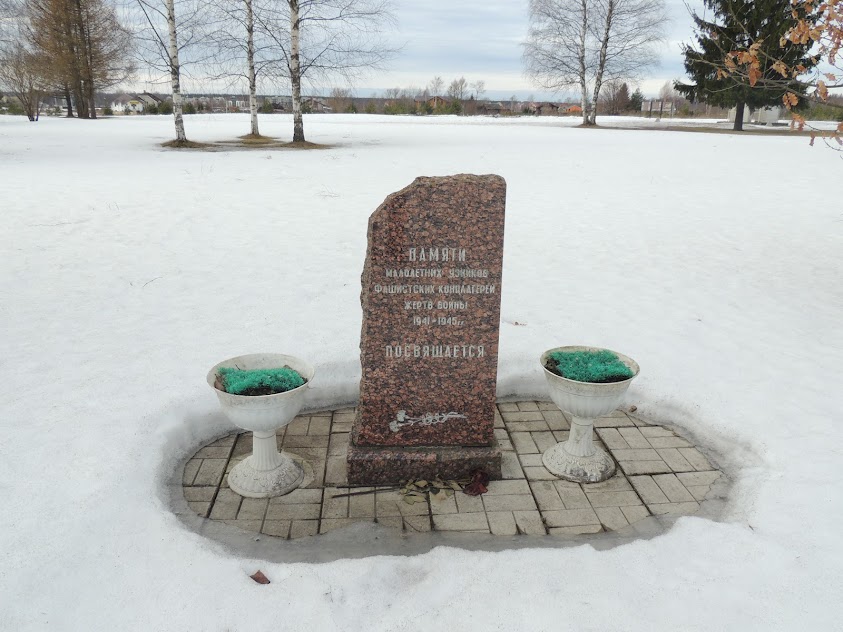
(659, 474)
(502, 523)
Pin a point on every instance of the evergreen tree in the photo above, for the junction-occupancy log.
(623, 98)
(739, 29)
(636, 100)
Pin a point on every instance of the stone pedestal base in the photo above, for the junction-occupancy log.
(387, 465)
(594, 468)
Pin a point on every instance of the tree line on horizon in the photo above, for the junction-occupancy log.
(286, 41)
(740, 56)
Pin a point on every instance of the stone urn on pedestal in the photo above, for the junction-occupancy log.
(266, 472)
(578, 459)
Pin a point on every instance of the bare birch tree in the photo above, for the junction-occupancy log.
(242, 49)
(436, 86)
(170, 28)
(584, 43)
(325, 39)
(458, 89)
(249, 25)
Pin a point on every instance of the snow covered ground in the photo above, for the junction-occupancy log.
(127, 271)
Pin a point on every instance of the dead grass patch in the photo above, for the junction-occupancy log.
(266, 142)
(702, 129)
(186, 144)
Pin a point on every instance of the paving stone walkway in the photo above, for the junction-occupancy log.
(658, 473)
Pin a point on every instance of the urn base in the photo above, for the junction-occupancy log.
(579, 469)
(246, 480)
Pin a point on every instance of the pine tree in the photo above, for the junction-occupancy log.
(738, 27)
(623, 99)
(636, 100)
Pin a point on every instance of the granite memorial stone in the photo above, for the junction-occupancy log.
(429, 343)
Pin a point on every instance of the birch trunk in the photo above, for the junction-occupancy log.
(295, 72)
(581, 54)
(250, 58)
(175, 72)
(601, 63)
(584, 101)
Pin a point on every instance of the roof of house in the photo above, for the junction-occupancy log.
(126, 98)
(148, 97)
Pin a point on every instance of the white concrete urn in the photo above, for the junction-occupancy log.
(578, 459)
(266, 472)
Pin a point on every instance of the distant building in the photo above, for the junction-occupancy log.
(493, 108)
(763, 116)
(281, 103)
(438, 102)
(127, 104)
(546, 109)
(658, 108)
(149, 99)
(135, 103)
(312, 104)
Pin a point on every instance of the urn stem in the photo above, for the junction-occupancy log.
(580, 439)
(265, 454)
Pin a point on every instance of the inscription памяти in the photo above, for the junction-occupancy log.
(431, 291)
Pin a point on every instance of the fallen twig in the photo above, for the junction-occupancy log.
(368, 491)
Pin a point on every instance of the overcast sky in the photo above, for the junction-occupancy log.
(475, 39)
(481, 39)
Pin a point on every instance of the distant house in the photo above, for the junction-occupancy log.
(570, 108)
(763, 116)
(135, 103)
(312, 104)
(492, 109)
(149, 99)
(769, 115)
(546, 109)
(438, 102)
(220, 104)
(281, 103)
(127, 104)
